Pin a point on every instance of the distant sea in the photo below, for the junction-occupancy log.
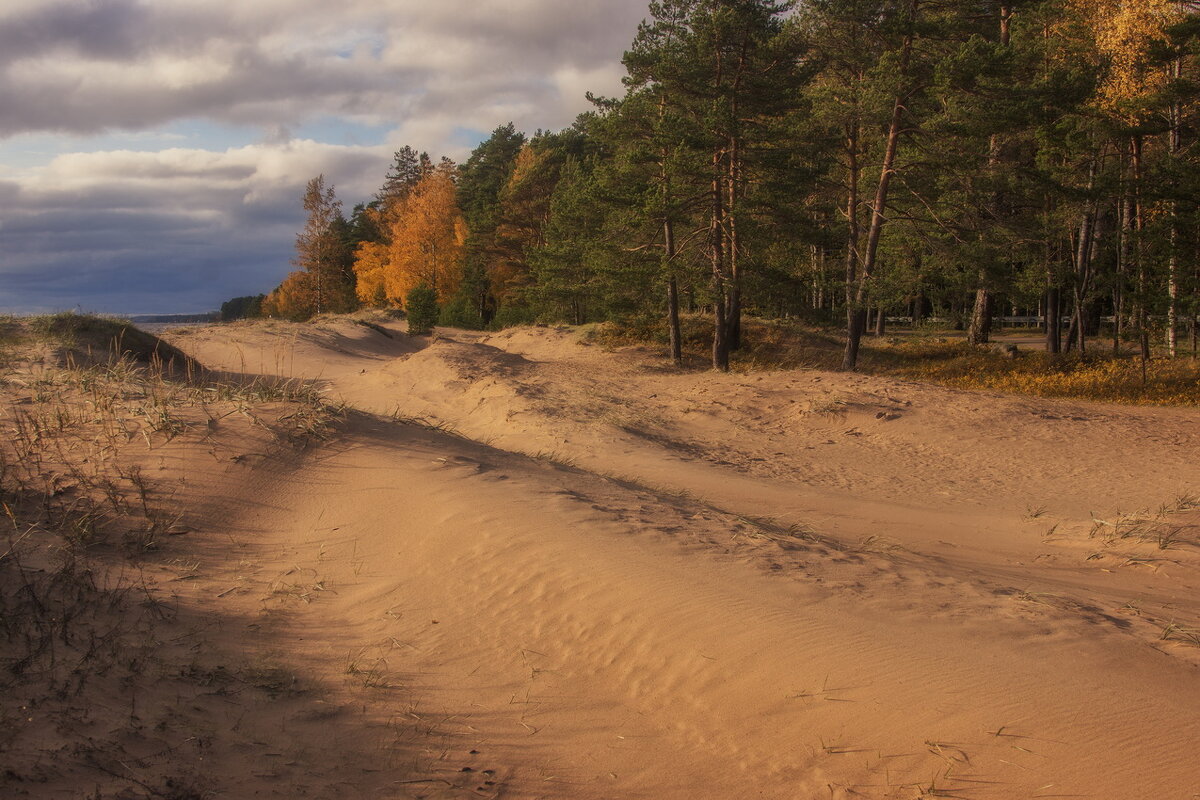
(159, 327)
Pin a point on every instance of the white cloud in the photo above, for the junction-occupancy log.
(84, 67)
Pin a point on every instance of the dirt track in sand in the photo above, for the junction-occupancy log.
(585, 574)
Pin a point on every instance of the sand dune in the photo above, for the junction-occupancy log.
(611, 579)
(527, 567)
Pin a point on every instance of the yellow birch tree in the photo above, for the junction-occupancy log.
(1125, 33)
(427, 235)
(370, 264)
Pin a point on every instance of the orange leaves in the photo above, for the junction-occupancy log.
(524, 211)
(427, 240)
(1125, 32)
(426, 231)
(295, 298)
(370, 263)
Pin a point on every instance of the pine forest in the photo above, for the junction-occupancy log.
(845, 163)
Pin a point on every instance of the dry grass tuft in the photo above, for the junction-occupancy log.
(1159, 527)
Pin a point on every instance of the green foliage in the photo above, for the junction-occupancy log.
(568, 269)
(485, 174)
(246, 307)
(422, 307)
(407, 170)
(460, 312)
(748, 166)
(364, 225)
(480, 182)
(512, 316)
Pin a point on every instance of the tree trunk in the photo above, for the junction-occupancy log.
(1175, 145)
(852, 238)
(1123, 256)
(669, 251)
(672, 295)
(880, 323)
(980, 329)
(856, 325)
(733, 316)
(856, 319)
(1141, 315)
(922, 308)
(719, 288)
(1053, 321)
(1082, 285)
(878, 220)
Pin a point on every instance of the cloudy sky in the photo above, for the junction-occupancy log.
(153, 152)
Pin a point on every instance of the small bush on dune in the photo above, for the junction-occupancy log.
(512, 316)
(695, 330)
(422, 307)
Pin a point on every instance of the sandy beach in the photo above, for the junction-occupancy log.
(520, 565)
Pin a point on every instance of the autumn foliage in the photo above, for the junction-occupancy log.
(1125, 34)
(370, 262)
(426, 232)
(295, 298)
(324, 281)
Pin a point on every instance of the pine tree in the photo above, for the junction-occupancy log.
(726, 66)
(407, 169)
(569, 267)
(480, 182)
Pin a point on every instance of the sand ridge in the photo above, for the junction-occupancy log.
(593, 576)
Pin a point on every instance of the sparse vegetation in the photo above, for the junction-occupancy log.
(81, 518)
(1159, 527)
(87, 340)
(1100, 378)
(932, 357)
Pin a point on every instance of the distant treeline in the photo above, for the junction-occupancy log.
(833, 160)
(242, 307)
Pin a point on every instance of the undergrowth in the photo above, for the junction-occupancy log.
(1101, 378)
(786, 344)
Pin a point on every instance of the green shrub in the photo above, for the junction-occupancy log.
(511, 316)
(422, 307)
(460, 312)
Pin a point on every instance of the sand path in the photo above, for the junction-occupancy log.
(632, 582)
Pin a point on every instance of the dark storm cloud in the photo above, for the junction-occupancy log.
(177, 229)
(115, 29)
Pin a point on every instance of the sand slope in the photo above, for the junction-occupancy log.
(583, 574)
